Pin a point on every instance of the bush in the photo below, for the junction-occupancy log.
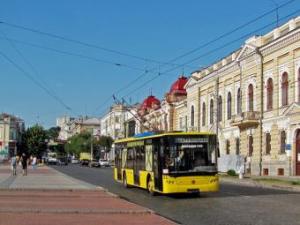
(231, 173)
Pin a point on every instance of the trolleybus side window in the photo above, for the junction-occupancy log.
(140, 157)
(130, 158)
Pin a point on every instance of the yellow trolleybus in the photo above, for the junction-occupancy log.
(179, 162)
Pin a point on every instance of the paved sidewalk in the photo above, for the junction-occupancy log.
(47, 196)
(40, 178)
(280, 183)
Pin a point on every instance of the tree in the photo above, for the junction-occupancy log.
(105, 142)
(78, 143)
(34, 141)
(53, 133)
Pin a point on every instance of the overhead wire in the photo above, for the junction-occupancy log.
(28, 63)
(231, 31)
(74, 54)
(202, 46)
(86, 44)
(29, 76)
(209, 52)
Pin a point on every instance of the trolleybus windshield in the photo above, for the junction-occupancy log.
(189, 155)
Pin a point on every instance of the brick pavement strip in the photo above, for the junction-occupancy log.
(25, 201)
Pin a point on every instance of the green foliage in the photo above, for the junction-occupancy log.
(231, 173)
(78, 143)
(105, 142)
(53, 132)
(34, 140)
(295, 182)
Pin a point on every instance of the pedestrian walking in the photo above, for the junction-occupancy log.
(24, 160)
(34, 162)
(14, 165)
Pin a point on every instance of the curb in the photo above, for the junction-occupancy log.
(88, 185)
(74, 211)
(252, 183)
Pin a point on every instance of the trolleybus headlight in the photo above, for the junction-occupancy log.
(165, 171)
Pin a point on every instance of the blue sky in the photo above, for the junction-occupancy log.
(153, 30)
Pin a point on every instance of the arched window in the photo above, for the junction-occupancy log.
(203, 113)
(219, 111)
(229, 106)
(250, 97)
(239, 102)
(270, 94)
(211, 111)
(299, 85)
(192, 116)
(284, 88)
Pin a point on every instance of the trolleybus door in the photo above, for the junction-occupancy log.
(136, 166)
(118, 162)
(157, 169)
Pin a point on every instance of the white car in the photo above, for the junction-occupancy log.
(74, 161)
(103, 163)
(52, 160)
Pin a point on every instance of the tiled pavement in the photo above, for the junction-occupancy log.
(45, 197)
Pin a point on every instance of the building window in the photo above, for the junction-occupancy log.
(203, 113)
(192, 116)
(239, 101)
(229, 106)
(284, 89)
(237, 146)
(299, 85)
(282, 141)
(268, 143)
(270, 94)
(250, 145)
(211, 111)
(227, 147)
(250, 97)
(219, 112)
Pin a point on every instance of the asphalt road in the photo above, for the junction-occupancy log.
(233, 205)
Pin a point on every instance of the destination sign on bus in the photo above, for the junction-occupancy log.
(190, 140)
(192, 146)
(135, 143)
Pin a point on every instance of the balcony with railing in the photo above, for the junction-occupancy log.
(246, 119)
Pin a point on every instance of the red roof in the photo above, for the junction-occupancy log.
(178, 86)
(149, 102)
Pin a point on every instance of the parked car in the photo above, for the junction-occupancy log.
(84, 162)
(74, 161)
(94, 163)
(104, 163)
(51, 160)
(62, 161)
